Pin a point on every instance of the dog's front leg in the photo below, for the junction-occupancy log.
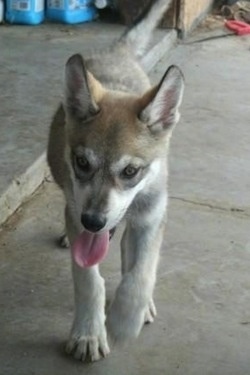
(88, 337)
(133, 299)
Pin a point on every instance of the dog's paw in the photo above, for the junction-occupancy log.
(126, 313)
(150, 313)
(88, 348)
(63, 241)
(124, 325)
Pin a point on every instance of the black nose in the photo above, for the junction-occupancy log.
(93, 223)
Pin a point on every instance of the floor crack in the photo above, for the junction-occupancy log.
(241, 211)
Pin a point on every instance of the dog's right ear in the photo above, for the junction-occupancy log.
(80, 90)
(161, 104)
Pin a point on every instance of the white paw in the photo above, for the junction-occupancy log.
(88, 348)
(126, 314)
(123, 327)
(150, 313)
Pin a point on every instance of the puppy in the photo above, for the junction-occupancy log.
(107, 151)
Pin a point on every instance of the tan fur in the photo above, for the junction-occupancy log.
(96, 89)
(117, 130)
(112, 121)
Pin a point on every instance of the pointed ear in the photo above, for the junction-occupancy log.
(80, 87)
(161, 104)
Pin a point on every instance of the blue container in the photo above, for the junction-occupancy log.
(27, 12)
(71, 11)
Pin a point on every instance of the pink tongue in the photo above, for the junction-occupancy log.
(89, 248)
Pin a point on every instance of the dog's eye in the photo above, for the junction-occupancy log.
(130, 171)
(82, 163)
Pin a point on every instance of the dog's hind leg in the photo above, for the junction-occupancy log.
(88, 338)
(63, 241)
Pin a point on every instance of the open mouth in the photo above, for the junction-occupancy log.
(90, 248)
(111, 232)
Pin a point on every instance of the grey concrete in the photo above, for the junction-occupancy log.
(210, 161)
(31, 78)
(203, 288)
(202, 296)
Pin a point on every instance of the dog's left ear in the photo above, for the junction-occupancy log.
(161, 104)
(82, 90)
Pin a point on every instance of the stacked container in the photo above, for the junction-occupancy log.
(71, 11)
(27, 12)
(32, 12)
(1, 11)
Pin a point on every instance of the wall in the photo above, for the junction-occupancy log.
(183, 14)
(190, 14)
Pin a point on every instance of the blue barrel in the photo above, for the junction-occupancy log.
(71, 11)
(27, 12)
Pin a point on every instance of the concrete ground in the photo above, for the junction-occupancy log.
(203, 288)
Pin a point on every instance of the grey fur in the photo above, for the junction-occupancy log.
(139, 36)
(132, 111)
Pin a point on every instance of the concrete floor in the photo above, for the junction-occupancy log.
(203, 288)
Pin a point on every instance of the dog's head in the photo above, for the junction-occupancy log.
(115, 142)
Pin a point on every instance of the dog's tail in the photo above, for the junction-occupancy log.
(138, 36)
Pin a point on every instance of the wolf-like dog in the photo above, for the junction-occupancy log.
(107, 151)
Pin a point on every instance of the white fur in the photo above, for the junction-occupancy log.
(133, 303)
(88, 335)
(120, 200)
